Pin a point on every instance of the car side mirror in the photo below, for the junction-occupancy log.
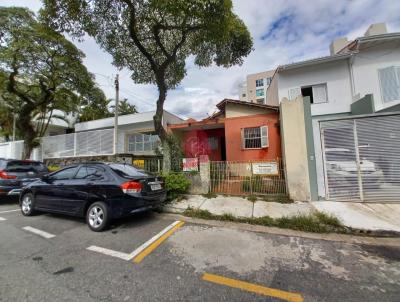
(45, 177)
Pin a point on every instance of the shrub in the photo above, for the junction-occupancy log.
(176, 184)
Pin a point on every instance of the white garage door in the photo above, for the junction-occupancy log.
(362, 159)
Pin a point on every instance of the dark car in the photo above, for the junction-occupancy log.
(14, 174)
(98, 191)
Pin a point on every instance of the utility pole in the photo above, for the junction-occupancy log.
(116, 82)
(14, 126)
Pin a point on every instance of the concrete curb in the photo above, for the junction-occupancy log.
(351, 239)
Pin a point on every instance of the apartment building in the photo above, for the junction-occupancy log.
(254, 90)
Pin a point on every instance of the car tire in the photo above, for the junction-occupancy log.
(97, 217)
(27, 204)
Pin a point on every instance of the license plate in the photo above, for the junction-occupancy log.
(155, 187)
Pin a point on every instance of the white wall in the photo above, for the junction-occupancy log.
(365, 70)
(334, 74)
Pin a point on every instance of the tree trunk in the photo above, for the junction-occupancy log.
(25, 127)
(158, 125)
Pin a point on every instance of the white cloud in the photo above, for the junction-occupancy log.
(283, 32)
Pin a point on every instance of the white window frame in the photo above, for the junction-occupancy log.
(264, 138)
(296, 91)
(396, 70)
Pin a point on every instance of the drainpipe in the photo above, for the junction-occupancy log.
(350, 66)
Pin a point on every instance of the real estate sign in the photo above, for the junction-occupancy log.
(265, 168)
(190, 164)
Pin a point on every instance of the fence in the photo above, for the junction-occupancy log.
(97, 142)
(11, 149)
(247, 178)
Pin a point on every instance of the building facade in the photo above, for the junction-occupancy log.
(352, 93)
(239, 131)
(254, 90)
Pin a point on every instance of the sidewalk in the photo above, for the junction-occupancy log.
(367, 216)
(239, 207)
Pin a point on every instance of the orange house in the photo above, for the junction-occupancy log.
(239, 131)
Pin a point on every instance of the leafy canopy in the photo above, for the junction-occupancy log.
(153, 38)
(42, 73)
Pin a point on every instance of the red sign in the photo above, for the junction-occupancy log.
(190, 164)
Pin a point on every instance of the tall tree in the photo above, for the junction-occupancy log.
(43, 72)
(153, 38)
(124, 107)
(96, 107)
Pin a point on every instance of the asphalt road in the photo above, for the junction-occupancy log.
(191, 264)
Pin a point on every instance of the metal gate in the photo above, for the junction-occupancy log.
(248, 178)
(362, 158)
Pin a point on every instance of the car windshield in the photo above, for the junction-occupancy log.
(340, 156)
(25, 166)
(125, 170)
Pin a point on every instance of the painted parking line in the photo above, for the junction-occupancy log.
(2, 219)
(254, 288)
(9, 211)
(108, 252)
(39, 232)
(143, 250)
(149, 246)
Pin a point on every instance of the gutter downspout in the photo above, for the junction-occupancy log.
(352, 85)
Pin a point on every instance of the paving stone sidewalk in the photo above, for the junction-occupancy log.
(239, 207)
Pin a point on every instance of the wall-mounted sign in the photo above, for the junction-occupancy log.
(269, 168)
(190, 164)
(139, 163)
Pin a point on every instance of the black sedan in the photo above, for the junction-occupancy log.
(14, 174)
(98, 191)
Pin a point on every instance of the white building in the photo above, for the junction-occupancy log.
(355, 97)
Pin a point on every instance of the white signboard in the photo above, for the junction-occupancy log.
(270, 168)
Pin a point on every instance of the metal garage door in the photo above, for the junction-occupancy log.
(362, 158)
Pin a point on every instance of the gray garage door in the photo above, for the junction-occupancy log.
(362, 158)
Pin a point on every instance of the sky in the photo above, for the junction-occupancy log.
(282, 31)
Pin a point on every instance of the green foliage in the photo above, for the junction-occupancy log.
(315, 223)
(154, 39)
(209, 195)
(281, 198)
(124, 107)
(252, 198)
(41, 72)
(176, 185)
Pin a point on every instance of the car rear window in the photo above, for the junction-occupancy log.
(125, 170)
(22, 166)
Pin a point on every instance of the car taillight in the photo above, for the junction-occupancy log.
(4, 175)
(131, 187)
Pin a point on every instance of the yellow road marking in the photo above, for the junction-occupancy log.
(156, 243)
(254, 288)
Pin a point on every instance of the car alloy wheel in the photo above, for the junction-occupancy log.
(96, 217)
(26, 204)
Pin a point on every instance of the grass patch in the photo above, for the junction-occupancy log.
(209, 195)
(277, 198)
(315, 223)
(252, 198)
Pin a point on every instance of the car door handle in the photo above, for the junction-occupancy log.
(61, 184)
(90, 183)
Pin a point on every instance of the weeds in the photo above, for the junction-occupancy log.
(316, 222)
(209, 195)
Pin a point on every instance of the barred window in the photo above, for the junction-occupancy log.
(255, 137)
